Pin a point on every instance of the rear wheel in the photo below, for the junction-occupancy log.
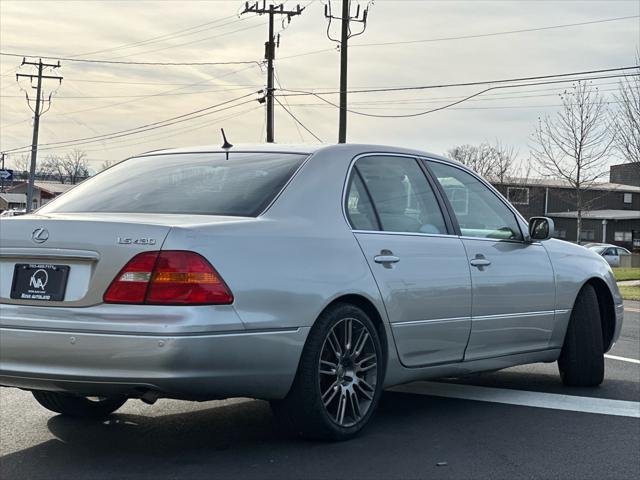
(581, 361)
(76, 406)
(339, 379)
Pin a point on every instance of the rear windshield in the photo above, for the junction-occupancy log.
(206, 184)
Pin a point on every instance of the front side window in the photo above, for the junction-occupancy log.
(483, 214)
(401, 195)
(204, 184)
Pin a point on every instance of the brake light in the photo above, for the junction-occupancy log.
(169, 277)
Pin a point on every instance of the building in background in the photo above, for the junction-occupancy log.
(43, 192)
(12, 201)
(611, 214)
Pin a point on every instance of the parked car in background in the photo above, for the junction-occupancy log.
(309, 276)
(13, 213)
(611, 253)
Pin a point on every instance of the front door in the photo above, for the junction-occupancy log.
(418, 262)
(513, 307)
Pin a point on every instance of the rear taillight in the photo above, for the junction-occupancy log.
(169, 278)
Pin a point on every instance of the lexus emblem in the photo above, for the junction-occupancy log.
(40, 235)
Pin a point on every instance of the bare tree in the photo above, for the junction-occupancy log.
(494, 161)
(627, 119)
(76, 166)
(71, 168)
(55, 165)
(23, 164)
(107, 164)
(573, 145)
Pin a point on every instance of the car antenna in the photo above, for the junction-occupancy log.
(226, 145)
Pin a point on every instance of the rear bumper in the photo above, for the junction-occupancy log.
(196, 366)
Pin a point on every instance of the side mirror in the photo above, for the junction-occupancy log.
(540, 228)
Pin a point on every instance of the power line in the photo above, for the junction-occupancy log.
(493, 34)
(121, 62)
(58, 147)
(279, 84)
(476, 83)
(464, 37)
(78, 141)
(145, 83)
(457, 102)
(166, 36)
(194, 41)
(501, 107)
(163, 135)
(164, 92)
(298, 121)
(92, 97)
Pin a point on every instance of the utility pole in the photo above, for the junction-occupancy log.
(345, 20)
(2, 187)
(36, 118)
(270, 51)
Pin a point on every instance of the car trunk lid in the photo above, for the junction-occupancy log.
(70, 259)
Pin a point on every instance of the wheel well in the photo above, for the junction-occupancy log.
(607, 310)
(370, 309)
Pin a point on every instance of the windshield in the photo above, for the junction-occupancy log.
(206, 184)
(598, 249)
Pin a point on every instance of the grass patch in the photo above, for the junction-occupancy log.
(626, 274)
(630, 293)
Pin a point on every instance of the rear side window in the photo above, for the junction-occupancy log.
(205, 184)
(401, 194)
(359, 208)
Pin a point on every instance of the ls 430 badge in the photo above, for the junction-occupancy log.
(136, 241)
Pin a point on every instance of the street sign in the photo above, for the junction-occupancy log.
(6, 175)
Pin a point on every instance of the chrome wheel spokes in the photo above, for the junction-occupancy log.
(348, 370)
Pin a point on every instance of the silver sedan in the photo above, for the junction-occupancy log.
(312, 277)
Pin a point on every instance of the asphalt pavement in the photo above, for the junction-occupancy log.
(516, 423)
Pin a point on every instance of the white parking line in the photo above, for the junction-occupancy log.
(622, 359)
(602, 406)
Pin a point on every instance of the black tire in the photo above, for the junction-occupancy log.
(581, 361)
(304, 412)
(76, 406)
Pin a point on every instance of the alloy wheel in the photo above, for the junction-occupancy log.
(348, 368)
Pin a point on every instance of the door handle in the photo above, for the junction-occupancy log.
(386, 259)
(480, 262)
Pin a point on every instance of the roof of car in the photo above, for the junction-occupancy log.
(292, 148)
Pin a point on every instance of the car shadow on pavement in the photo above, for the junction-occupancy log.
(408, 438)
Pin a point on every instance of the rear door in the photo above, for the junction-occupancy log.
(419, 265)
(513, 281)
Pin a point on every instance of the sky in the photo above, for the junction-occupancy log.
(96, 98)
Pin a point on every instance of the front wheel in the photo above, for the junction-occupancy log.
(76, 406)
(339, 379)
(581, 361)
